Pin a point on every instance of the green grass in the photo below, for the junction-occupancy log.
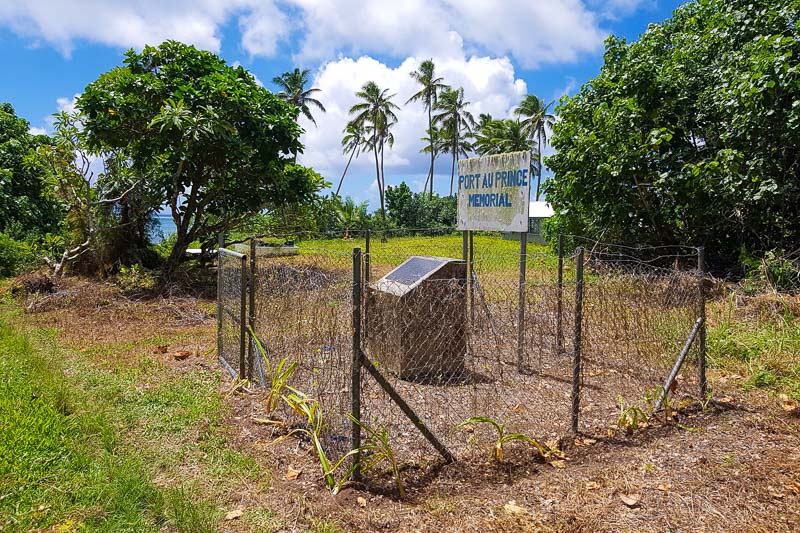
(763, 347)
(81, 443)
(59, 456)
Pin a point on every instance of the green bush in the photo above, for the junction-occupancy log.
(14, 256)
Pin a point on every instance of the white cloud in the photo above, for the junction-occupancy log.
(489, 84)
(136, 22)
(263, 28)
(67, 104)
(37, 131)
(531, 32)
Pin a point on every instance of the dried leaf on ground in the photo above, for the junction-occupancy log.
(512, 508)
(292, 473)
(557, 463)
(161, 349)
(233, 515)
(361, 502)
(592, 485)
(631, 500)
(180, 355)
(664, 488)
(787, 403)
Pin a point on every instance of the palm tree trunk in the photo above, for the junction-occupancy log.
(430, 137)
(345, 172)
(455, 157)
(539, 170)
(378, 177)
(383, 188)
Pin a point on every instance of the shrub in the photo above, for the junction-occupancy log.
(15, 256)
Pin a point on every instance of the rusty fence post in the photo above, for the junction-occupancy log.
(355, 370)
(701, 339)
(576, 349)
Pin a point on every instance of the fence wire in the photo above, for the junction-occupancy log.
(448, 340)
(229, 311)
(303, 315)
(639, 307)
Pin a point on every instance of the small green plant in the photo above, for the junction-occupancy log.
(311, 410)
(631, 417)
(377, 450)
(502, 436)
(278, 377)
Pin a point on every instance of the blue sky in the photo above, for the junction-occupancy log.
(497, 50)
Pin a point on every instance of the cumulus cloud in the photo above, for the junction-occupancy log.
(533, 33)
(489, 85)
(138, 22)
(37, 131)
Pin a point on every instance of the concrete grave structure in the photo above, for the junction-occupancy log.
(415, 319)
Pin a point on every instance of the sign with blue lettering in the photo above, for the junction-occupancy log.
(494, 191)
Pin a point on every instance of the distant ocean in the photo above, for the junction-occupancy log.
(164, 228)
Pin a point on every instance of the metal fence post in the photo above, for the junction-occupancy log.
(560, 297)
(220, 309)
(471, 278)
(355, 383)
(365, 276)
(523, 262)
(576, 353)
(366, 259)
(701, 357)
(251, 320)
(243, 318)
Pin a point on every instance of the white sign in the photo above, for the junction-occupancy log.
(494, 191)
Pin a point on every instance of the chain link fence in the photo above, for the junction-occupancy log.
(448, 327)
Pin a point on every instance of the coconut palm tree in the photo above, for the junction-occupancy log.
(352, 142)
(432, 144)
(293, 89)
(431, 87)
(351, 215)
(501, 136)
(536, 119)
(455, 121)
(376, 115)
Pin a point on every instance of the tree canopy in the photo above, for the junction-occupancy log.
(689, 135)
(204, 138)
(26, 207)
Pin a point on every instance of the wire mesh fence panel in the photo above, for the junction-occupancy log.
(448, 342)
(456, 338)
(303, 315)
(229, 301)
(640, 305)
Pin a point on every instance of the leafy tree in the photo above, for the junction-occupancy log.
(26, 207)
(105, 224)
(689, 135)
(410, 210)
(293, 89)
(201, 137)
(432, 86)
(536, 120)
(375, 114)
(352, 143)
(456, 124)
